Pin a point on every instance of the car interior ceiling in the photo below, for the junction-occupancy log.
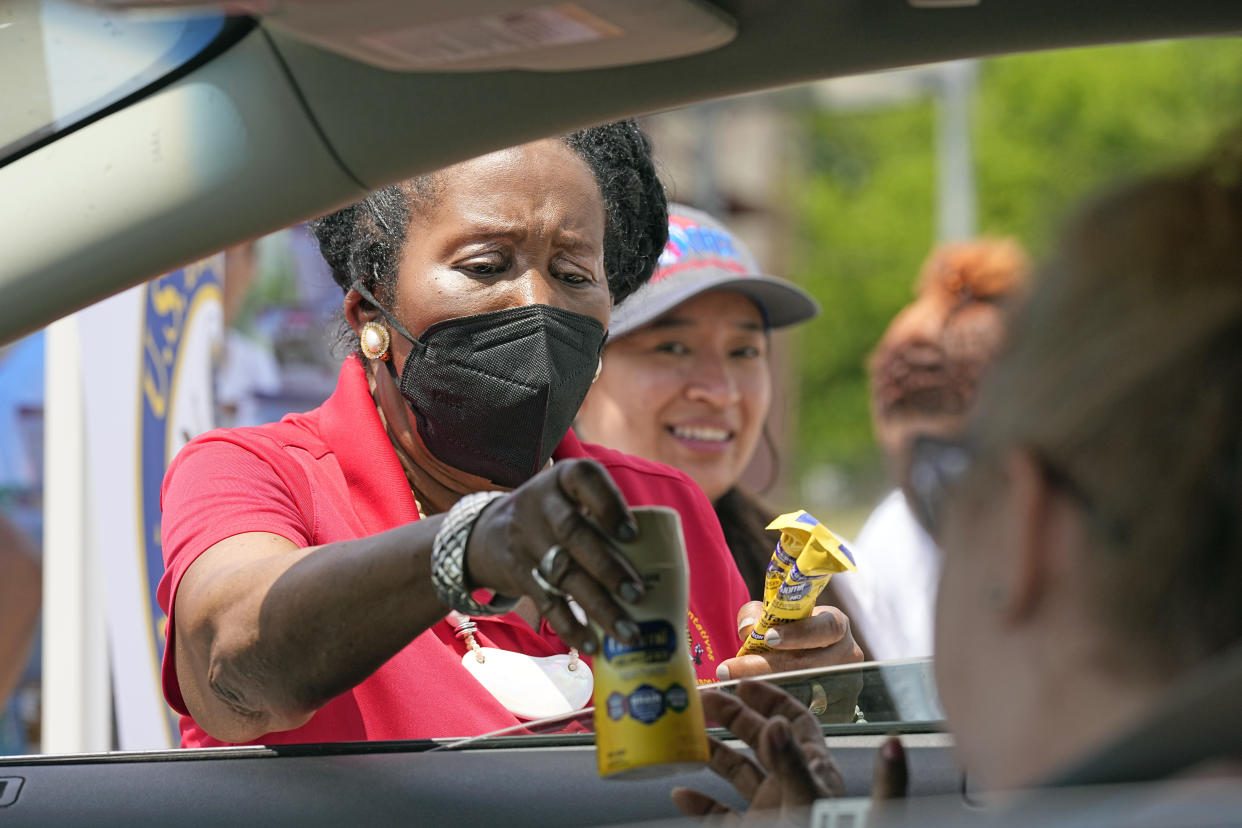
(273, 130)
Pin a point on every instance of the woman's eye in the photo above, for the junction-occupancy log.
(748, 352)
(569, 271)
(674, 348)
(572, 277)
(483, 267)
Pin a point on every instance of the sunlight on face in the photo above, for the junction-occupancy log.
(497, 236)
(968, 630)
(691, 390)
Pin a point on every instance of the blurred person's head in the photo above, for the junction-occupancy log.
(927, 366)
(686, 379)
(1093, 534)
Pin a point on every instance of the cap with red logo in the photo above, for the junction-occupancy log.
(702, 255)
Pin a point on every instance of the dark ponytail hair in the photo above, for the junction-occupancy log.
(743, 518)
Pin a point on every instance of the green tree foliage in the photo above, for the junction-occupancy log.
(1047, 128)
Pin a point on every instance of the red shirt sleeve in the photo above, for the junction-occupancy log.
(222, 484)
(717, 590)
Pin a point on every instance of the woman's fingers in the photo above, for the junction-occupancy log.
(780, 752)
(757, 665)
(770, 700)
(733, 714)
(695, 804)
(587, 484)
(738, 769)
(746, 714)
(752, 665)
(826, 627)
(600, 607)
(756, 703)
(589, 550)
(792, 767)
(562, 619)
(540, 542)
(892, 773)
(747, 617)
(823, 640)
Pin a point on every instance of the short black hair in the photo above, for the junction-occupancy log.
(363, 242)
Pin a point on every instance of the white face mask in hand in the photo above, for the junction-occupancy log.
(529, 687)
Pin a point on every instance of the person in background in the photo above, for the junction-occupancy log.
(1089, 614)
(687, 380)
(247, 367)
(21, 594)
(22, 366)
(924, 376)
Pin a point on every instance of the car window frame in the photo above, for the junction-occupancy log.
(232, 30)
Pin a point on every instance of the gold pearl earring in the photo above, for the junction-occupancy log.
(374, 340)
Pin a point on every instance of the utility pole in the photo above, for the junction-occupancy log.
(956, 211)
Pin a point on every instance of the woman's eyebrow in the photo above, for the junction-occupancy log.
(516, 232)
(476, 233)
(576, 242)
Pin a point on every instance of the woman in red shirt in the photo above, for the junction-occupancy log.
(310, 564)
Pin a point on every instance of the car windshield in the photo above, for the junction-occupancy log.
(64, 63)
(849, 700)
(842, 186)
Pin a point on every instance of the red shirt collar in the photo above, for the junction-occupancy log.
(351, 427)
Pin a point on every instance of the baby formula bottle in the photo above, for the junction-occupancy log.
(648, 717)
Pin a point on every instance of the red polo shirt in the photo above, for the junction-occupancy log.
(331, 475)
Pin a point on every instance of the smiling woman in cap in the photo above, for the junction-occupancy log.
(686, 378)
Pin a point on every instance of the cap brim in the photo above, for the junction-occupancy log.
(781, 302)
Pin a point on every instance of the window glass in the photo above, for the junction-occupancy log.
(848, 700)
(63, 62)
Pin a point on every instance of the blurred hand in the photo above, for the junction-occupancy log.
(574, 505)
(892, 775)
(792, 766)
(791, 769)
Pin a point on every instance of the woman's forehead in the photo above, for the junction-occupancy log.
(541, 182)
(548, 159)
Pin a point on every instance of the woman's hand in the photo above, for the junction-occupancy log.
(791, 769)
(823, 640)
(792, 766)
(574, 507)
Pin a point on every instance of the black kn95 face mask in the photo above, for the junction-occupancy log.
(494, 393)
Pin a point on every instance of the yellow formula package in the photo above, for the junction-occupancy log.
(648, 717)
(806, 557)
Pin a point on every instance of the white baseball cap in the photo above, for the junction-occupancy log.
(702, 255)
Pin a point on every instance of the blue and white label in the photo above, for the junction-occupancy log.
(678, 698)
(646, 704)
(655, 645)
(617, 708)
